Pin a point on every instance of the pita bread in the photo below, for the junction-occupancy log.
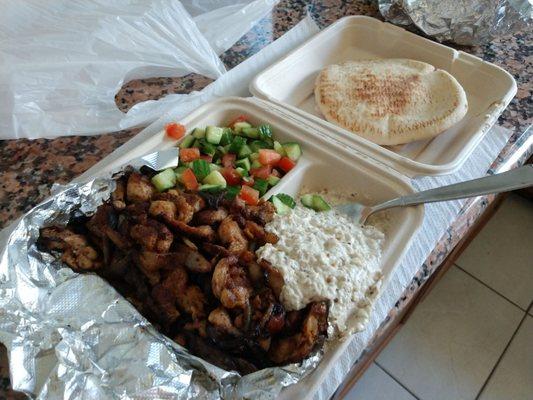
(392, 101)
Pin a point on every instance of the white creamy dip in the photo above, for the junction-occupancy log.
(323, 255)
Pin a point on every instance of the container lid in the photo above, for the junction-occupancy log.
(289, 84)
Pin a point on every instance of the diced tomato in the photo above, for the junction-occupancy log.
(231, 176)
(286, 164)
(189, 179)
(276, 173)
(269, 157)
(240, 118)
(174, 130)
(206, 157)
(262, 172)
(249, 195)
(248, 181)
(228, 160)
(188, 155)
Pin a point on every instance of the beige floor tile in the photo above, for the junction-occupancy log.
(501, 255)
(452, 341)
(513, 378)
(376, 384)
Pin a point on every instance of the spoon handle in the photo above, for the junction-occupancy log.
(506, 181)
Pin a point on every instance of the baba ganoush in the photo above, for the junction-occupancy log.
(323, 255)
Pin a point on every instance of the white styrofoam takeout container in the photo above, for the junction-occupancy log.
(489, 89)
(337, 159)
(324, 164)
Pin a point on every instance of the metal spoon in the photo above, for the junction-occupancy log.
(515, 179)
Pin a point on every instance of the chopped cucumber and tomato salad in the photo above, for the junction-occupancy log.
(242, 159)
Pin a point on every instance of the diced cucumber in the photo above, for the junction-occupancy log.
(315, 202)
(265, 132)
(197, 143)
(232, 192)
(209, 149)
(213, 134)
(281, 208)
(198, 133)
(236, 145)
(286, 199)
(307, 200)
(211, 188)
(186, 164)
(215, 178)
(164, 180)
(244, 151)
(256, 164)
(187, 142)
(319, 204)
(254, 156)
(179, 172)
(279, 149)
(227, 137)
(257, 145)
(200, 168)
(273, 180)
(261, 185)
(222, 150)
(238, 126)
(293, 150)
(214, 167)
(242, 171)
(243, 163)
(252, 133)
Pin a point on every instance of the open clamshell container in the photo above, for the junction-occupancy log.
(337, 159)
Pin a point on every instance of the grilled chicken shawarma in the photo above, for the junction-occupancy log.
(188, 264)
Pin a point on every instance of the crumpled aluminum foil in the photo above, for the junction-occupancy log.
(465, 22)
(73, 336)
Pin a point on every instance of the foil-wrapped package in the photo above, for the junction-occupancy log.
(465, 22)
(73, 336)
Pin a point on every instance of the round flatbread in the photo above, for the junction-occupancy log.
(390, 101)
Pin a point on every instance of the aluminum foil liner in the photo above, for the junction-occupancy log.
(73, 336)
(465, 22)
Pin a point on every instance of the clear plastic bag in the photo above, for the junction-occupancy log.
(66, 60)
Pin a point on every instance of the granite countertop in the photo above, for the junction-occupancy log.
(29, 168)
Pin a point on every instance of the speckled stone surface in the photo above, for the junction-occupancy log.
(29, 168)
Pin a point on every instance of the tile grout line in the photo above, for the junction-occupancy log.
(396, 380)
(488, 287)
(501, 357)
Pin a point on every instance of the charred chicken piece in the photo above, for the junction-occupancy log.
(230, 284)
(152, 236)
(273, 276)
(220, 320)
(151, 262)
(118, 197)
(77, 252)
(262, 213)
(257, 233)
(172, 206)
(297, 347)
(192, 301)
(232, 237)
(210, 217)
(166, 293)
(202, 232)
(139, 188)
(103, 224)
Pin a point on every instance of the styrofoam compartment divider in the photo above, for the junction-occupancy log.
(489, 89)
